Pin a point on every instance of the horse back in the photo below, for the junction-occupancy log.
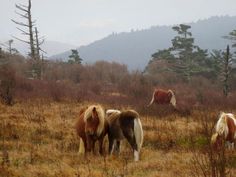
(114, 129)
(162, 96)
(127, 121)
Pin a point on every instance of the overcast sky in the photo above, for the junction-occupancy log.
(80, 22)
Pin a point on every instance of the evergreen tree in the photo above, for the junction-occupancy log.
(74, 57)
(163, 54)
(183, 57)
(190, 59)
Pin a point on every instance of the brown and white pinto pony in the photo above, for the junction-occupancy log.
(225, 129)
(160, 96)
(124, 125)
(90, 127)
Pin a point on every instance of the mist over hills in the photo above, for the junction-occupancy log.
(50, 47)
(135, 48)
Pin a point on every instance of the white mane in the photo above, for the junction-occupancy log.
(221, 125)
(111, 111)
(173, 99)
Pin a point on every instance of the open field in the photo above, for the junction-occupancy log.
(38, 139)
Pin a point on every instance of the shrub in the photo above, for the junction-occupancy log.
(7, 85)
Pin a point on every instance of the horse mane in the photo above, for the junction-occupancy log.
(101, 117)
(111, 111)
(214, 138)
(221, 123)
(173, 99)
(222, 126)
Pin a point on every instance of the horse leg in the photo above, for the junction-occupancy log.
(81, 146)
(232, 146)
(111, 145)
(89, 143)
(93, 146)
(131, 139)
(85, 146)
(117, 147)
(101, 145)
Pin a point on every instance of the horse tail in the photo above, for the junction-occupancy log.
(152, 100)
(138, 133)
(81, 146)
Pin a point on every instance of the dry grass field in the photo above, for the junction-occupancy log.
(37, 138)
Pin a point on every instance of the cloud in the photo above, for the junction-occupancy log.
(97, 23)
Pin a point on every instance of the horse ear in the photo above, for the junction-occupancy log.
(94, 112)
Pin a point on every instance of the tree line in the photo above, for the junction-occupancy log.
(185, 59)
(181, 63)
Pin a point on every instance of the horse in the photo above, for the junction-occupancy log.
(90, 127)
(124, 125)
(225, 130)
(160, 96)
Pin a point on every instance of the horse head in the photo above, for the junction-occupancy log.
(172, 98)
(94, 120)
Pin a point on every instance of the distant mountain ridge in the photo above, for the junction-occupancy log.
(135, 48)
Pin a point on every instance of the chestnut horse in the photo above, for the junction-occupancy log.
(160, 96)
(91, 126)
(226, 129)
(124, 124)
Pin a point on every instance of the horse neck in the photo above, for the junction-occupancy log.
(231, 116)
(231, 122)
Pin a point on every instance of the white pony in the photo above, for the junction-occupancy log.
(225, 128)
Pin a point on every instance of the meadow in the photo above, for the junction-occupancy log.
(37, 119)
(37, 138)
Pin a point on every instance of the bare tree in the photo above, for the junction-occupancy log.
(227, 61)
(25, 12)
(32, 32)
(38, 43)
(8, 46)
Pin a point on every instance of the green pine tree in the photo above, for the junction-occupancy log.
(74, 57)
(190, 59)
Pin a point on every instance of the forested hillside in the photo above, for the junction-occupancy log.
(135, 48)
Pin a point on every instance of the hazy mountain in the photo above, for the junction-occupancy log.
(50, 47)
(134, 48)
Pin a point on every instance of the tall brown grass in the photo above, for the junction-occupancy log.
(37, 138)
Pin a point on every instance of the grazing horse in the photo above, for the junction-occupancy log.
(91, 126)
(124, 124)
(225, 129)
(160, 96)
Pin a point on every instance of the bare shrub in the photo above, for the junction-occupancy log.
(208, 161)
(7, 85)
